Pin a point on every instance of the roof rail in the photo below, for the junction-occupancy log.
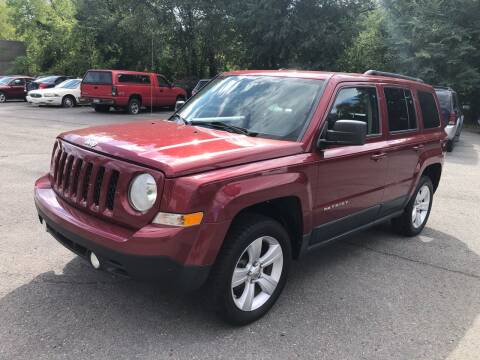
(398, 76)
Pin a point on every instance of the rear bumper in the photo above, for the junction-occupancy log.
(451, 131)
(103, 101)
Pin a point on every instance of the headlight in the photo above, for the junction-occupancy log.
(143, 192)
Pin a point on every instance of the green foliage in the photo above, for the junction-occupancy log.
(438, 40)
(7, 30)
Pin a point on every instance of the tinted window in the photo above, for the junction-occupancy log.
(401, 110)
(18, 82)
(455, 102)
(429, 110)
(356, 104)
(98, 77)
(162, 82)
(444, 98)
(267, 106)
(133, 78)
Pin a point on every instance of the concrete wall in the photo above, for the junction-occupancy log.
(9, 51)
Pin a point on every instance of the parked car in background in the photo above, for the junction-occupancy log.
(235, 186)
(201, 83)
(66, 94)
(452, 114)
(13, 87)
(46, 82)
(128, 90)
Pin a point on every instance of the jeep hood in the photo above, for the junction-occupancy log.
(177, 149)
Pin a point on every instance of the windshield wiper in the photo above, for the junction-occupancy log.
(224, 126)
(177, 116)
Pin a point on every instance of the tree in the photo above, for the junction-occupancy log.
(7, 30)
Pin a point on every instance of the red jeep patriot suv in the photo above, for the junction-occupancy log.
(254, 171)
(130, 90)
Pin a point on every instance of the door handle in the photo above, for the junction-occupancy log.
(379, 156)
(418, 147)
(95, 87)
(161, 90)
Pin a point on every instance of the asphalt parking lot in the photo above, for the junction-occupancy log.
(373, 296)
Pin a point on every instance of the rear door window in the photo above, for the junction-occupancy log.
(133, 78)
(431, 119)
(401, 110)
(98, 77)
(356, 103)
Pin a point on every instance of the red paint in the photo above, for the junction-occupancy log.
(221, 173)
(12, 91)
(119, 93)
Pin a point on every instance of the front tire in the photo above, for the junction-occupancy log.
(3, 98)
(68, 101)
(251, 269)
(415, 216)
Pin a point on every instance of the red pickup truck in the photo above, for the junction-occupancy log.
(128, 90)
(252, 172)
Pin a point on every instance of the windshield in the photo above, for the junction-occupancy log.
(47, 80)
(5, 80)
(69, 84)
(266, 106)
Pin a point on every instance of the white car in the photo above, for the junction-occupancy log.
(66, 94)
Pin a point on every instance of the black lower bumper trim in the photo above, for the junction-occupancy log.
(153, 268)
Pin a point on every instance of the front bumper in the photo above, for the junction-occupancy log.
(151, 253)
(44, 100)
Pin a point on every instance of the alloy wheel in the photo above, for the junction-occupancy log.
(257, 273)
(421, 206)
(2, 98)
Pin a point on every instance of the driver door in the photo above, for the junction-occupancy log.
(17, 90)
(350, 179)
(164, 93)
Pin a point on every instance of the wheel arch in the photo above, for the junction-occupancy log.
(434, 172)
(287, 211)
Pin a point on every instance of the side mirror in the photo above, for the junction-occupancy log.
(345, 132)
(179, 104)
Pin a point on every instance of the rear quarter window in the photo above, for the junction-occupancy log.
(98, 77)
(133, 79)
(428, 106)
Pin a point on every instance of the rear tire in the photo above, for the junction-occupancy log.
(251, 269)
(101, 108)
(450, 145)
(417, 211)
(134, 106)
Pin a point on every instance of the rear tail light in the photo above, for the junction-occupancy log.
(42, 86)
(452, 119)
(114, 91)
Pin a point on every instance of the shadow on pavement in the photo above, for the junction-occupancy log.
(370, 297)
